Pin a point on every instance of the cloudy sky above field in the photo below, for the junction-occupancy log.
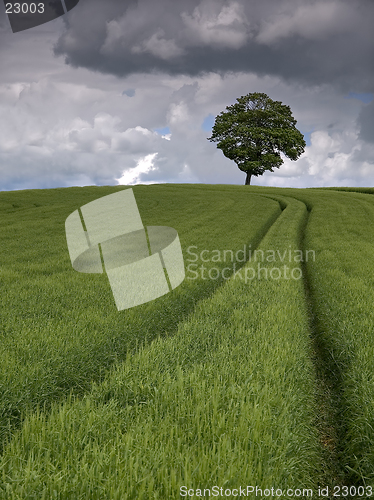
(126, 91)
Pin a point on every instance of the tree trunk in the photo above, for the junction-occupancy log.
(248, 178)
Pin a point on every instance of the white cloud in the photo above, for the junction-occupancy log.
(315, 21)
(132, 176)
(327, 164)
(178, 113)
(187, 175)
(226, 28)
(325, 154)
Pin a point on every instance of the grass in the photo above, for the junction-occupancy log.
(220, 382)
(60, 329)
(228, 400)
(340, 230)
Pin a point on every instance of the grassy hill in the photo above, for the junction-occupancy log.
(250, 373)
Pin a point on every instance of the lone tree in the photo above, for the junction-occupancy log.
(254, 131)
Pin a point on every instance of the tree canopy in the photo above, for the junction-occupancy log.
(254, 131)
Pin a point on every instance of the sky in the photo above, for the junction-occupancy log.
(126, 91)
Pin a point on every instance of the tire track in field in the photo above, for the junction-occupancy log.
(329, 379)
(329, 383)
(254, 244)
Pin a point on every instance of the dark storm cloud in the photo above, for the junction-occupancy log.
(313, 42)
(366, 123)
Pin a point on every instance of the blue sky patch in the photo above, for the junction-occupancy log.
(208, 123)
(129, 92)
(162, 131)
(307, 137)
(365, 98)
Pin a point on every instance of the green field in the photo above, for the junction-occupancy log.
(259, 372)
